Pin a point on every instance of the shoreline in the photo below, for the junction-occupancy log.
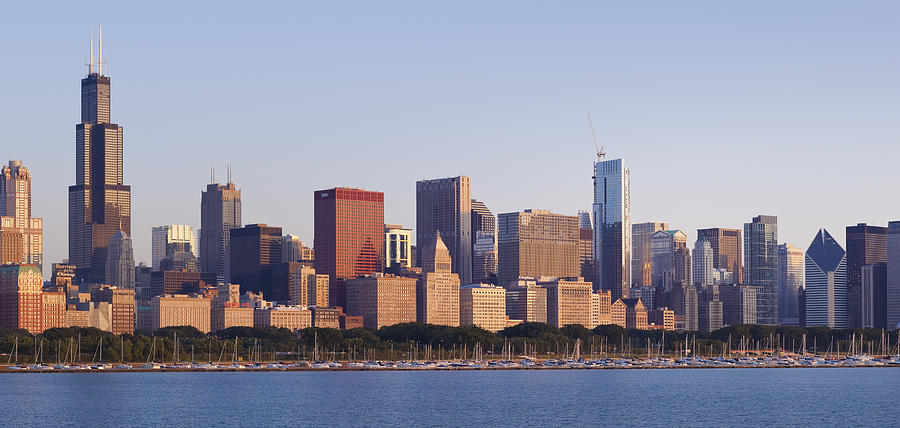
(294, 368)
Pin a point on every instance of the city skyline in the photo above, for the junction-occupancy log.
(174, 198)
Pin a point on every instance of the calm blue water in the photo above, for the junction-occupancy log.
(729, 397)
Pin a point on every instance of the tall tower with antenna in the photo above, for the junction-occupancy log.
(612, 223)
(99, 202)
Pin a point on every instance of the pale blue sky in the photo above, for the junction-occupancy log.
(723, 110)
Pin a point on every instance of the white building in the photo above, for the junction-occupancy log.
(397, 246)
(826, 282)
(703, 262)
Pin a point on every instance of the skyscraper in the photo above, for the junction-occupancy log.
(170, 238)
(120, 261)
(99, 202)
(397, 249)
(641, 258)
(826, 282)
(349, 237)
(484, 244)
(437, 291)
(702, 262)
(893, 275)
(445, 205)
(726, 247)
(612, 227)
(537, 243)
(670, 261)
(790, 282)
(255, 250)
(865, 245)
(761, 265)
(220, 211)
(15, 213)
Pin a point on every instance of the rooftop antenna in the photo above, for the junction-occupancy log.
(91, 64)
(100, 53)
(600, 152)
(212, 173)
(229, 173)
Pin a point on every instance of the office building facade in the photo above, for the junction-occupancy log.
(445, 205)
(397, 246)
(15, 215)
(483, 305)
(537, 243)
(255, 250)
(120, 261)
(641, 251)
(612, 227)
(727, 250)
(349, 237)
(702, 263)
(99, 202)
(382, 299)
(893, 275)
(865, 245)
(826, 282)
(761, 265)
(790, 281)
(169, 239)
(437, 290)
(220, 211)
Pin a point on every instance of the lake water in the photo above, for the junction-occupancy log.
(695, 397)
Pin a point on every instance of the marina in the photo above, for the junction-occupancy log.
(809, 361)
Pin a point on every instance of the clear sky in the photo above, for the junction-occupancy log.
(722, 110)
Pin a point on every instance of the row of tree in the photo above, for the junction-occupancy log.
(424, 341)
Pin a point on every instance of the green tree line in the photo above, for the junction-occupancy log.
(422, 341)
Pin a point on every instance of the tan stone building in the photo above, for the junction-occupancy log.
(310, 289)
(230, 316)
(661, 318)
(122, 305)
(600, 308)
(527, 302)
(537, 243)
(617, 313)
(382, 299)
(290, 317)
(326, 317)
(484, 306)
(53, 309)
(175, 310)
(10, 247)
(227, 310)
(437, 290)
(569, 302)
(15, 213)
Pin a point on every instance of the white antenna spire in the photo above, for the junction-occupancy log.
(229, 173)
(100, 58)
(600, 152)
(212, 173)
(91, 64)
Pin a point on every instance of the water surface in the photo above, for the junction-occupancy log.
(694, 397)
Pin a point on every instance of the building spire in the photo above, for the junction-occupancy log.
(100, 53)
(91, 64)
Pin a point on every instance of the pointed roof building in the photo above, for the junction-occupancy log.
(436, 258)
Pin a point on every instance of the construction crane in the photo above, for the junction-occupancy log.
(600, 152)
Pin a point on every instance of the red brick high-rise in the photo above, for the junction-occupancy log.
(349, 236)
(20, 297)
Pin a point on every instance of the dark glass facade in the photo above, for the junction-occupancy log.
(99, 202)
